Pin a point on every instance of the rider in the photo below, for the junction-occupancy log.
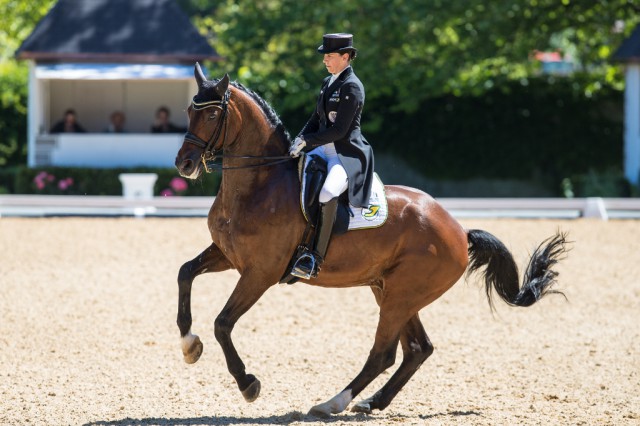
(333, 133)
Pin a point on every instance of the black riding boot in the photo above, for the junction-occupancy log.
(308, 265)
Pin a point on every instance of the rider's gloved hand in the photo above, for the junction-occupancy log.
(297, 146)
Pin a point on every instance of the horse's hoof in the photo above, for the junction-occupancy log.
(362, 407)
(335, 405)
(193, 350)
(252, 392)
(320, 411)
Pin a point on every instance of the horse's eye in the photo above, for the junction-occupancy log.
(213, 116)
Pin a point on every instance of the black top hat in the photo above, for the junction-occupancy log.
(339, 42)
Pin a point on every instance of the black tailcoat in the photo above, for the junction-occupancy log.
(337, 119)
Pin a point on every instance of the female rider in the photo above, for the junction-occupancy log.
(333, 133)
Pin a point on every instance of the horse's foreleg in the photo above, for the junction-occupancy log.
(416, 348)
(247, 292)
(210, 260)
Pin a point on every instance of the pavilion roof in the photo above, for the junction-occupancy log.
(141, 31)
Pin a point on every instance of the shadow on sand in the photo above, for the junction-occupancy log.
(292, 417)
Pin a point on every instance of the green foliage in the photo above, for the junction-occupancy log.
(547, 130)
(87, 181)
(13, 114)
(412, 50)
(451, 85)
(607, 183)
(16, 22)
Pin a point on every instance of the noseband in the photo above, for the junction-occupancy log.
(209, 150)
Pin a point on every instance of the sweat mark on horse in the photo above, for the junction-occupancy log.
(408, 263)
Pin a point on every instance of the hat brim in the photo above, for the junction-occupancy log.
(321, 49)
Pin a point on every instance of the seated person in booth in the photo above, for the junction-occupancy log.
(162, 123)
(68, 124)
(116, 122)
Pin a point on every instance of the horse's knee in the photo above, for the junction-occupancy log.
(185, 274)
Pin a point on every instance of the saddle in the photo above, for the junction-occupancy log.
(313, 172)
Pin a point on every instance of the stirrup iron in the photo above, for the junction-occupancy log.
(296, 271)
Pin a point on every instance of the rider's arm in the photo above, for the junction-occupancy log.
(312, 126)
(351, 100)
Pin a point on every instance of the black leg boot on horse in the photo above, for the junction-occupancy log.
(308, 265)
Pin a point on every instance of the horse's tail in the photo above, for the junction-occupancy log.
(501, 271)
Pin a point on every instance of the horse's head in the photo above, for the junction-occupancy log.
(207, 125)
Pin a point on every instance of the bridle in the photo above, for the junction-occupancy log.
(209, 150)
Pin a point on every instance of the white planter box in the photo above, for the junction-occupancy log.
(138, 185)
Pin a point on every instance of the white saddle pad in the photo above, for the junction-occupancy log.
(372, 216)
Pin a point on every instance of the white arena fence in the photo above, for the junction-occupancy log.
(67, 205)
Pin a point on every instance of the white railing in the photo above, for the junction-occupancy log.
(68, 205)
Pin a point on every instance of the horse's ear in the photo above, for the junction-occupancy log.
(200, 78)
(223, 85)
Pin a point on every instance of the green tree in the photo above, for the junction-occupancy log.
(16, 23)
(412, 50)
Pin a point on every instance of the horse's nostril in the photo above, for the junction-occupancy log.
(187, 165)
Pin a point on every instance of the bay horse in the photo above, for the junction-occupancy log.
(256, 224)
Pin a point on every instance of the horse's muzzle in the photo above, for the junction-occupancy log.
(188, 167)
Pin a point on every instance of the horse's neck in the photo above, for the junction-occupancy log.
(246, 190)
(257, 138)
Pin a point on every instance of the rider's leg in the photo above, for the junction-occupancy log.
(335, 184)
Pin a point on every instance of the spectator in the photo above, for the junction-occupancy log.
(68, 124)
(117, 120)
(162, 123)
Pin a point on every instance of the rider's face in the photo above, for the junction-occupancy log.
(335, 62)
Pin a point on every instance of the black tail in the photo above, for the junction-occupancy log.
(501, 271)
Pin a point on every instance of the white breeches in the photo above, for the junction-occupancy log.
(337, 180)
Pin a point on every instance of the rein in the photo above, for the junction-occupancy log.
(209, 151)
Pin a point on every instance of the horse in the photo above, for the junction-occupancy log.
(256, 224)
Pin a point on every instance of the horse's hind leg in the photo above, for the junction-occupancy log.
(381, 357)
(210, 260)
(416, 348)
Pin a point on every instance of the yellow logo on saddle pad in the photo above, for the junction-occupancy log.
(371, 212)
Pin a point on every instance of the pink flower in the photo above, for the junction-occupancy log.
(166, 193)
(65, 183)
(50, 178)
(178, 184)
(39, 180)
